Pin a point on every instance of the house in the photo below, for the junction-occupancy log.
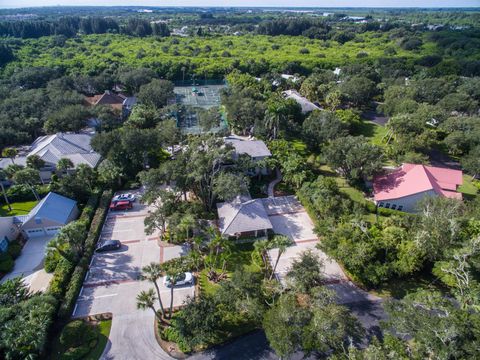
(256, 149)
(48, 216)
(405, 186)
(306, 105)
(243, 217)
(52, 148)
(108, 98)
(9, 230)
(116, 101)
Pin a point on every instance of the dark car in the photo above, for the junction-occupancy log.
(109, 245)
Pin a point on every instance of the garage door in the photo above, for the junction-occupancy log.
(52, 230)
(36, 232)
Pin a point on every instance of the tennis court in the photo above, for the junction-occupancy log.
(205, 96)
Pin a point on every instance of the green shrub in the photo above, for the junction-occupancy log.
(6, 263)
(76, 353)
(79, 337)
(388, 212)
(61, 277)
(171, 334)
(76, 280)
(14, 249)
(370, 207)
(51, 261)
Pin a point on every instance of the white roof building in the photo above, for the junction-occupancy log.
(307, 105)
(256, 149)
(52, 148)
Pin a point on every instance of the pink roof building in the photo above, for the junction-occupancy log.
(406, 185)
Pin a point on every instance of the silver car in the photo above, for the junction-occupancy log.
(124, 197)
(184, 279)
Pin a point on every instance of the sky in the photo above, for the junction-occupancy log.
(251, 3)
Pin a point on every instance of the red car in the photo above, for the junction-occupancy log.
(120, 205)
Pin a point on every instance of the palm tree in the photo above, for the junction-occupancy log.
(3, 177)
(152, 273)
(56, 246)
(146, 299)
(173, 274)
(281, 242)
(274, 116)
(28, 177)
(64, 164)
(261, 247)
(35, 162)
(186, 224)
(10, 153)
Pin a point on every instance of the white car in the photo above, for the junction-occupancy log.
(184, 279)
(124, 197)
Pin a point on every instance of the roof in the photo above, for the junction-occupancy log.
(107, 98)
(413, 179)
(241, 216)
(254, 148)
(53, 207)
(75, 147)
(307, 105)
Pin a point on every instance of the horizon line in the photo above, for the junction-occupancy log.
(242, 7)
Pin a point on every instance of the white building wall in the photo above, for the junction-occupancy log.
(409, 203)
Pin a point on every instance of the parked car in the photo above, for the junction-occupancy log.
(121, 205)
(108, 245)
(124, 197)
(184, 279)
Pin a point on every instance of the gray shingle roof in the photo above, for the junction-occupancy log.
(306, 105)
(242, 216)
(53, 207)
(75, 147)
(254, 148)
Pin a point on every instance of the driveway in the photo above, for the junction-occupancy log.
(290, 218)
(29, 265)
(112, 285)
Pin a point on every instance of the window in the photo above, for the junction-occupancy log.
(380, 204)
(387, 206)
(400, 208)
(38, 220)
(394, 206)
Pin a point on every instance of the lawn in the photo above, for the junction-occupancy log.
(354, 194)
(470, 187)
(18, 208)
(96, 353)
(374, 132)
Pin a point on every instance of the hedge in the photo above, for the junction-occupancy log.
(76, 280)
(372, 208)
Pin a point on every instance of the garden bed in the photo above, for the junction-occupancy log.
(96, 331)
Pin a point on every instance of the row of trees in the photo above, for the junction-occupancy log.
(70, 26)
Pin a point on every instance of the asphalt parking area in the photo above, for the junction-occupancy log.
(113, 279)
